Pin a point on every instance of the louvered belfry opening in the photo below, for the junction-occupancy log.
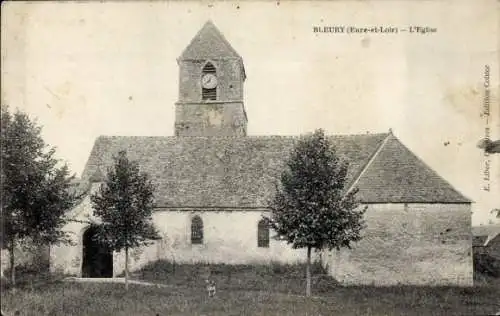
(209, 94)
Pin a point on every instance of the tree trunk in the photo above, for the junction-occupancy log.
(126, 268)
(308, 272)
(12, 264)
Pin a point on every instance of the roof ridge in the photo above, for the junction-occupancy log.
(490, 237)
(369, 162)
(236, 136)
(359, 134)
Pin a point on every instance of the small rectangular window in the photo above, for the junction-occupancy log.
(262, 234)
(196, 230)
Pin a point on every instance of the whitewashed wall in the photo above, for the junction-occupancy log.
(25, 254)
(67, 258)
(229, 237)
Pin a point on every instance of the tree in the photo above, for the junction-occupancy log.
(489, 146)
(124, 203)
(311, 208)
(35, 188)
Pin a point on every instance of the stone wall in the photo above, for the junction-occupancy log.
(408, 244)
(229, 75)
(210, 119)
(412, 244)
(224, 117)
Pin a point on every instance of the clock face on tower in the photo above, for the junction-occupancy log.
(209, 81)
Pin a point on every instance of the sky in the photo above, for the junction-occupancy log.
(85, 69)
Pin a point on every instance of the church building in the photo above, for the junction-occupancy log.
(213, 183)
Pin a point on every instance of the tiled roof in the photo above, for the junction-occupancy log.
(217, 171)
(209, 43)
(396, 175)
(240, 171)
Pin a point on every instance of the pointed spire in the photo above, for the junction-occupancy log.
(209, 43)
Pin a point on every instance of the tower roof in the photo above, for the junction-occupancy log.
(209, 43)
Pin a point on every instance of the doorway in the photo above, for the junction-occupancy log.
(97, 259)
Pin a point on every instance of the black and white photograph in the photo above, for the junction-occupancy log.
(250, 158)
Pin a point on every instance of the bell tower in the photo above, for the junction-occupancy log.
(211, 78)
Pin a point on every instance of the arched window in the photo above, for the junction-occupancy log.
(209, 82)
(196, 230)
(263, 234)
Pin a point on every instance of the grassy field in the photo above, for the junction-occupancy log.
(281, 278)
(243, 290)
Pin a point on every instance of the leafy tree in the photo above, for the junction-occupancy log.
(311, 208)
(35, 188)
(124, 203)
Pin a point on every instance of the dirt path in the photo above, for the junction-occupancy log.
(114, 280)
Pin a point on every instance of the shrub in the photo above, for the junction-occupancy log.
(487, 265)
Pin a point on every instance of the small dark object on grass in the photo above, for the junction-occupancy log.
(211, 289)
